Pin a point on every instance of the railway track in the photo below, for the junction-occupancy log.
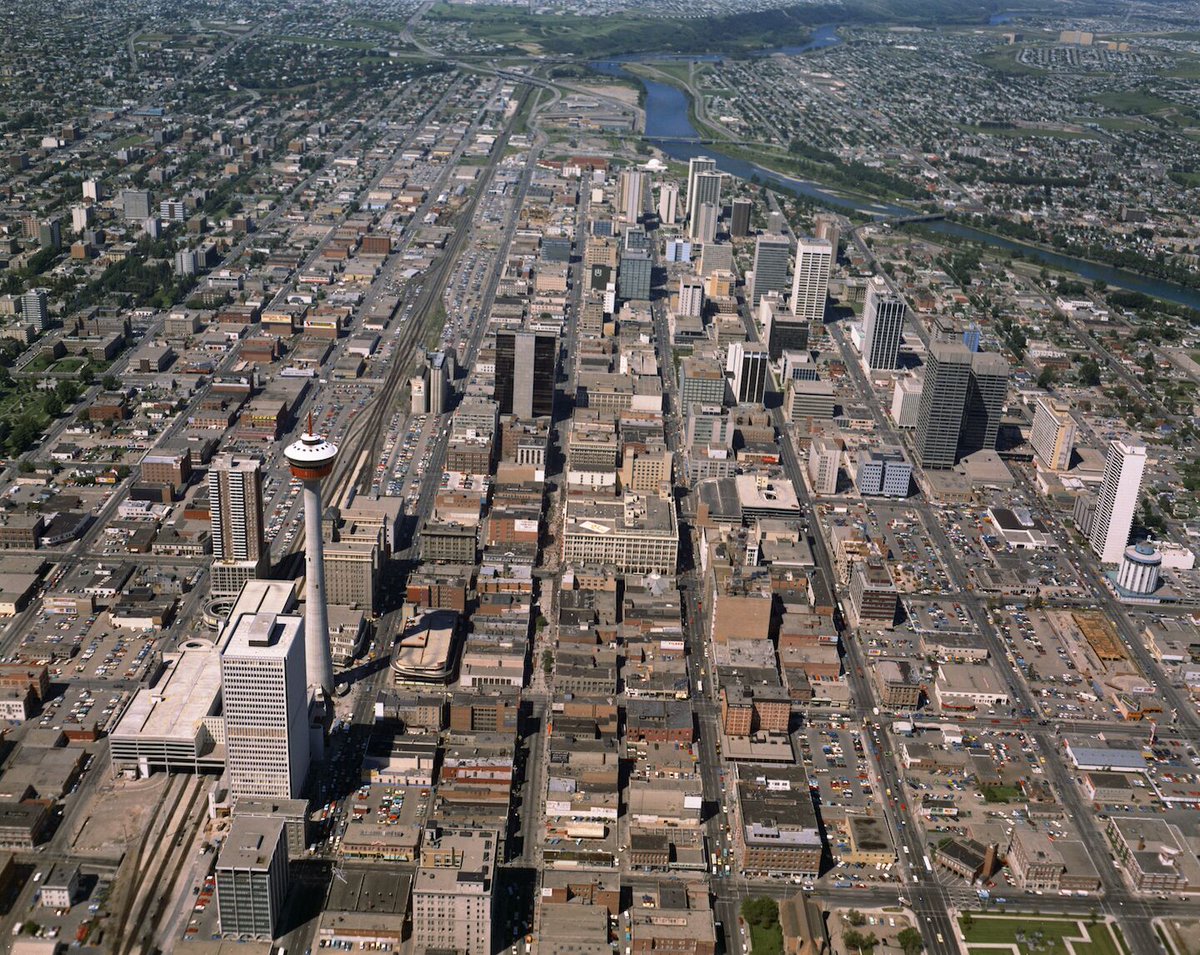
(361, 443)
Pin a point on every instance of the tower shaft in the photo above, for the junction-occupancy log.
(319, 662)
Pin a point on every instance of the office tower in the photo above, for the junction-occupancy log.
(311, 458)
(526, 363)
(770, 266)
(691, 296)
(708, 424)
(352, 572)
(810, 284)
(598, 250)
(420, 396)
(906, 402)
(826, 227)
(719, 284)
(883, 321)
(630, 191)
(1053, 434)
(634, 275)
(610, 298)
(702, 381)
(716, 257)
(972, 337)
(706, 187)
(679, 250)
(808, 398)
(824, 456)
(187, 262)
(986, 392)
(93, 190)
(265, 705)
(668, 203)
(635, 239)
(943, 397)
(172, 210)
(696, 166)
(452, 890)
(739, 219)
(704, 228)
(50, 233)
(781, 330)
(438, 390)
(252, 877)
(1117, 501)
(235, 507)
(883, 473)
(136, 203)
(34, 308)
(81, 218)
(746, 364)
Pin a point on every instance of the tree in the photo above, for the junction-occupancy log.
(52, 405)
(1046, 378)
(911, 942)
(762, 912)
(856, 918)
(111, 382)
(857, 942)
(1089, 372)
(67, 392)
(968, 920)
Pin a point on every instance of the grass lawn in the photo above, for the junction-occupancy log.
(675, 68)
(1022, 131)
(328, 41)
(1140, 101)
(1001, 793)
(1005, 61)
(1115, 123)
(766, 941)
(1003, 931)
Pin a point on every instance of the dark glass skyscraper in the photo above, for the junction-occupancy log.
(525, 372)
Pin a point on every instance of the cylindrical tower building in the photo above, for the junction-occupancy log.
(1139, 569)
(311, 458)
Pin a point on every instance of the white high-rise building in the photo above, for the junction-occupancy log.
(826, 227)
(1053, 434)
(265, 701)
(93, 190)
(81, 218)
(691, 297)
(824, 457)
(810, 282)
(883, 322)
(696, 166)
(630, 189)
(668, 203)
(1117, 502)
(705, 188)
(704, 225)
(235, 506)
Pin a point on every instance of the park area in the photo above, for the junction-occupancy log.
(1030, 935)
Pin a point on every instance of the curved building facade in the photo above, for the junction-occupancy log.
(1140, 568)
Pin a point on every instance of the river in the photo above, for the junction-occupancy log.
(670, 130)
